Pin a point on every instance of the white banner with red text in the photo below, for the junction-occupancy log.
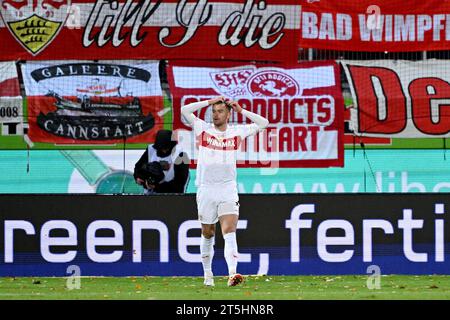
(85, 102)
(302, 102)
(401, 99)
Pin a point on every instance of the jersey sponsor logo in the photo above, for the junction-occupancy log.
(212, 142)
(34, 23)
(272, 83)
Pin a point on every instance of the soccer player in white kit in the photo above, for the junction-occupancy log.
(217, 196)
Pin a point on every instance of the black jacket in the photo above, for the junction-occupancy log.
(181, 174)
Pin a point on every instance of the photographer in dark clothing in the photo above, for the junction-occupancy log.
(173, 161)
(149, 175)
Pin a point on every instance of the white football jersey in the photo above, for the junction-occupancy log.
(217, 151)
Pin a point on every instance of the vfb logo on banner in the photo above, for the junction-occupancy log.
(34, 24)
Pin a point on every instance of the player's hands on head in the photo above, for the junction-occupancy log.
(233, 104)
(216, 99)
(236, 107)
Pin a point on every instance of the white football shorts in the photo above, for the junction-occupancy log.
(215, 201)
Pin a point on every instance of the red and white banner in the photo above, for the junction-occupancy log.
(149, 29)
(303, 104)
(10, 98)
(397, 98)
(368, 25)
(93, 102)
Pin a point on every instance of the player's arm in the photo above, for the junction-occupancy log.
(260, 121)
(188, 110)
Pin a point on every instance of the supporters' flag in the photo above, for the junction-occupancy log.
(138, 29)
(383, 25)
(93, 102)
(10, 99)
(303, 104)
(9, 82)
(402, 99)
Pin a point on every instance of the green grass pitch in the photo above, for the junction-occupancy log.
(254, 288)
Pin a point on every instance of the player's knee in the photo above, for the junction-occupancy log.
(228, 229)
(208, 233)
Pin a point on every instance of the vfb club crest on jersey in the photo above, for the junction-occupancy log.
(34, 23)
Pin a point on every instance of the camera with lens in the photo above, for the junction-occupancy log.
(152, 173)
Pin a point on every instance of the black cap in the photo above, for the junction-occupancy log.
(164, 140)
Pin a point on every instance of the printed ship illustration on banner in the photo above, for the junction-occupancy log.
(93, 102)
(95, 110)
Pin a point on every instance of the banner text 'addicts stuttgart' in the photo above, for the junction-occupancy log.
(303, 104)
